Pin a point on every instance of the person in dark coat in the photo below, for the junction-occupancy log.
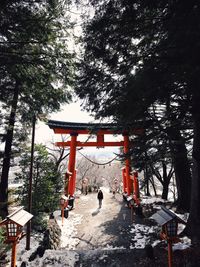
(100, 198)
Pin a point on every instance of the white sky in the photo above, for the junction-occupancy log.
(72, 113)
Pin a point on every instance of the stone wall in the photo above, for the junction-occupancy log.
(51, 240)
(52, 235)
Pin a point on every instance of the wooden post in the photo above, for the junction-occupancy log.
(66, 184)
(70, 185)
(124, 180)
(71, 164)
(136, 188)
(62, 211)
(169, 242)
(127, 164)
(14, 254)
(74, 183)
(28, 233)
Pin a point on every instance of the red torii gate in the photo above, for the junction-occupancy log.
(98, 129)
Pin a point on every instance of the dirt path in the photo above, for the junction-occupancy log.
(103, 237)
(101, 228)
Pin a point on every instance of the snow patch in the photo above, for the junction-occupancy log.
(151, 200)
(103, 257)
(108, 247)
(141, 235)
(155, 243)
(22, 253)
(180, 246)
(68, 229)
(55, 258)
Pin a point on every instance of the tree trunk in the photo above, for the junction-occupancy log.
(165, 191)
(182, 169)
(147, 187)
(166, 181)
(174, 189)
(146, 178)
(7, 156)
(154, 187)
(193, 228)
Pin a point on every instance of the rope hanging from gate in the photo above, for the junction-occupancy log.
(108, 162)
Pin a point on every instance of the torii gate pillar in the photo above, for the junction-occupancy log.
(129, 184)
(71, 164)
(124, 180)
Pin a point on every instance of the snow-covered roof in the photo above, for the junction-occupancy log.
(20, 216)
(164, 215)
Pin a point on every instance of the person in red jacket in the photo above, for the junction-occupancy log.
(100, 197)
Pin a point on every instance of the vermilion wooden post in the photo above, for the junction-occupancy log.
(136, 187)
(124, 180)
(62, 210)
(70, 184)
(169, 253)
(71, 164)
(66, 184)
(74, 183)
(14, 254)
(127, 164)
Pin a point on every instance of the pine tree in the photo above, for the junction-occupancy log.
(36, 68)
(138, 53)
(47, 181)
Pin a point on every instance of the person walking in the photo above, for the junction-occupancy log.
(100, 198)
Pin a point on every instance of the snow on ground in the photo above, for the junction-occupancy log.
(56, 258)
(67, 256)
(22, 253)
(151, 200)
(68, 229)
(140, 230)
(141, 235)
(108, 247)
(180, 246)
(51, 257)
(142, 238)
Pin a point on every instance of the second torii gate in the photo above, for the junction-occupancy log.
(99, 129)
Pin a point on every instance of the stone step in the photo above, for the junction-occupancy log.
(93, 258)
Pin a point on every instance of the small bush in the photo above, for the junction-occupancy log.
(39, 222)
(2, 236)
(3, 248)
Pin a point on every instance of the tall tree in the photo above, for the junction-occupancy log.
(47, 181)
(36, 68)
(137, 53)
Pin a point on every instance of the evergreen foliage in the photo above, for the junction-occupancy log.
(36, 71)
(131, 54)
(47, 182)
(141, 54)
(129, 60)
(2, 236)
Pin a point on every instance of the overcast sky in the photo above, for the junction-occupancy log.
(71, 113)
